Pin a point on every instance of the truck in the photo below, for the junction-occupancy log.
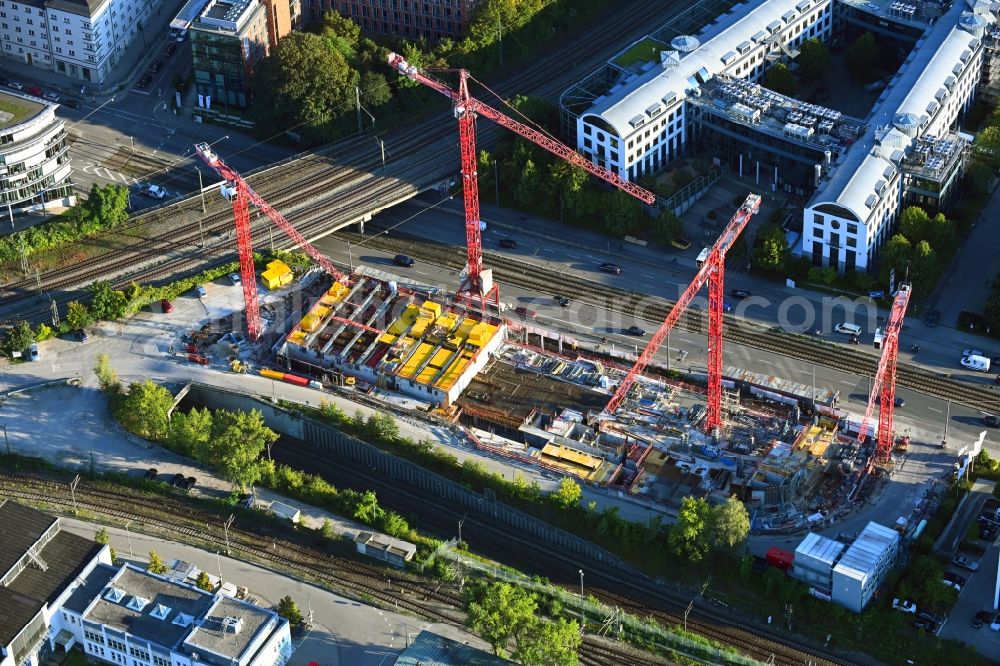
(977, 363)
(780, 559)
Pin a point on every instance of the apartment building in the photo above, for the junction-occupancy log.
(82, 39)
(228, 39)
(41, 566)
(416, 19)
(34, 159)
(910, 153)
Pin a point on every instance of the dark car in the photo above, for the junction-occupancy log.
(955, 578)
(4, 81)
(739, 293)
(561, 300)
(247, 500)
(635, 330)
(933, 318)
(33, 90)
(923, 624)
(177, 479)
(609, 267)
(166, 306)
(930, 617)
(170, 49)
(508, 243)
(150, 474)
(144, 81)
(992, 421)
(727, 306)
(980, 618)
(188, 483)
(155, 67)
(71, 102)
(525, 312)
(897, 401)
(403, 260)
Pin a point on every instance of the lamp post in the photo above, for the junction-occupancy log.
(581, 583)
(225, 526)
(128, 535)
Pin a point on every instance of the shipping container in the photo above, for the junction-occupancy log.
(779, 558)
(271, 374)
(295, 379)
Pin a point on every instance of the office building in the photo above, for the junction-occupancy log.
(228, 39)
(416, 19)
(83, 39)
(40, 568)
(34, 159)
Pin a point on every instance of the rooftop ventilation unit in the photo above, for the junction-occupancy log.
(685, 43)
(907, 123)
(232, 625)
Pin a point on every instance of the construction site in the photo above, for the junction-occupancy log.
(620, 422)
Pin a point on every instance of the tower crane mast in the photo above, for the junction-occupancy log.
(466, 109)
(712, 272)
(242, 199)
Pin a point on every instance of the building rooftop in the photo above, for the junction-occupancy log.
(819, 548)
(94, 584)
(386, 543)
(867, 550)
(229, 627)
(81, 7)
(21, 527)
(188, 13)
(16, 108)
(133, 596)
(695, 62)
(65, 556)
(901, 114)
(226, 15)
(430, 649)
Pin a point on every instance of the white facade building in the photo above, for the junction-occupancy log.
(34, 158)
(854, 210)
(640, 125)
(83, 39)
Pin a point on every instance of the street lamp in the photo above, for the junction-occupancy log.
(128, 535)
(581, 583)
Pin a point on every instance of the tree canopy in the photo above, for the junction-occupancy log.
(861, 56)
(144, 410)
(288, 609)
(771, 250)
(813, 59)
(18, 337)
(780, 79)
(237, 442)
(500, 612)
(568, 494)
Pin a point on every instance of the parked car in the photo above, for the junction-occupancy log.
(525, 312)
(144, 81)
(739, 293)
(51, 96)
(995, 624)
(965, 563)
(992, 421)
(635, 330)
(897, 401)
(4, 80)
(15, 85)
(508, 243)
(177, 479)
(33, 90)
(952, 584)
(727, 306)
(403, 260)
(33, 352)
(954, 578)
(979, 618)
(81, 335)
(155, 67)
(235, 279)
(933, 318)
(681, 243)
(247, 500)
(201, 291)
(169, 51)
(931, 617)
(150, 474)
(155, 191)
(609, 267)
(166, 306)
(561, 300)
(71, 102)
(904, 605)
(923, 624)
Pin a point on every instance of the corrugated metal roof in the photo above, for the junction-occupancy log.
(933, 59)
(867, 551)
(430, 649)
(819, 548)
(717, 39)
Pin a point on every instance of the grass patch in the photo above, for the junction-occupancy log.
(646, 50)
(18, 109)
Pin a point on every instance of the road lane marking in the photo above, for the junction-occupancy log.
(651, 277)
(934, 410)
(760, 360)
(847, 383)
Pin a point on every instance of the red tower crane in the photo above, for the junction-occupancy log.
(711, 271)
(244, 196)
(466, 109)
(884, 383)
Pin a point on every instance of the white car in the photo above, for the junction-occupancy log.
(965, 563)
(155, 191)
(904, 605)
(235, 279)
(33, 352)
(995, 625)
(201, 291)
(952, 584)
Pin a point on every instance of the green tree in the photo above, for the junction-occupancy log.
(529, 186)
(814, 59)
(204, 582)
(861, 57)
(924, 267)
(501, 611)
(730, 525)
(914, 223)
(942, 234)
(691, 536)
(821, 275)
(18, 337)
(383, 427)
(367, 510)
(156, 564)
(288, 609)
(566, 181)
(106, 304)
(190, 433)
(107, 204)
(237, 442)
(568, 495)
(326, 530)
(987, 145)
(979, 176)
(666, 227)
(897, 254)
(771, 250)
(341, 33)
(996, 489)
(621, 214)
(144, 410)
(304, 84)
(549, 643)
(375, 90)
(77, 315)
(102, 537)
(106, 375)
(780, 79)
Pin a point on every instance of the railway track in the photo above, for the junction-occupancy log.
(631, 591)
(422, 597)
(652, 308)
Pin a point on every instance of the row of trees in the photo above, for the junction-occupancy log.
(503, 613)
(920, 250)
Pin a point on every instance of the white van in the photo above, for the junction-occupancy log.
(977, 363)
(848, 329)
